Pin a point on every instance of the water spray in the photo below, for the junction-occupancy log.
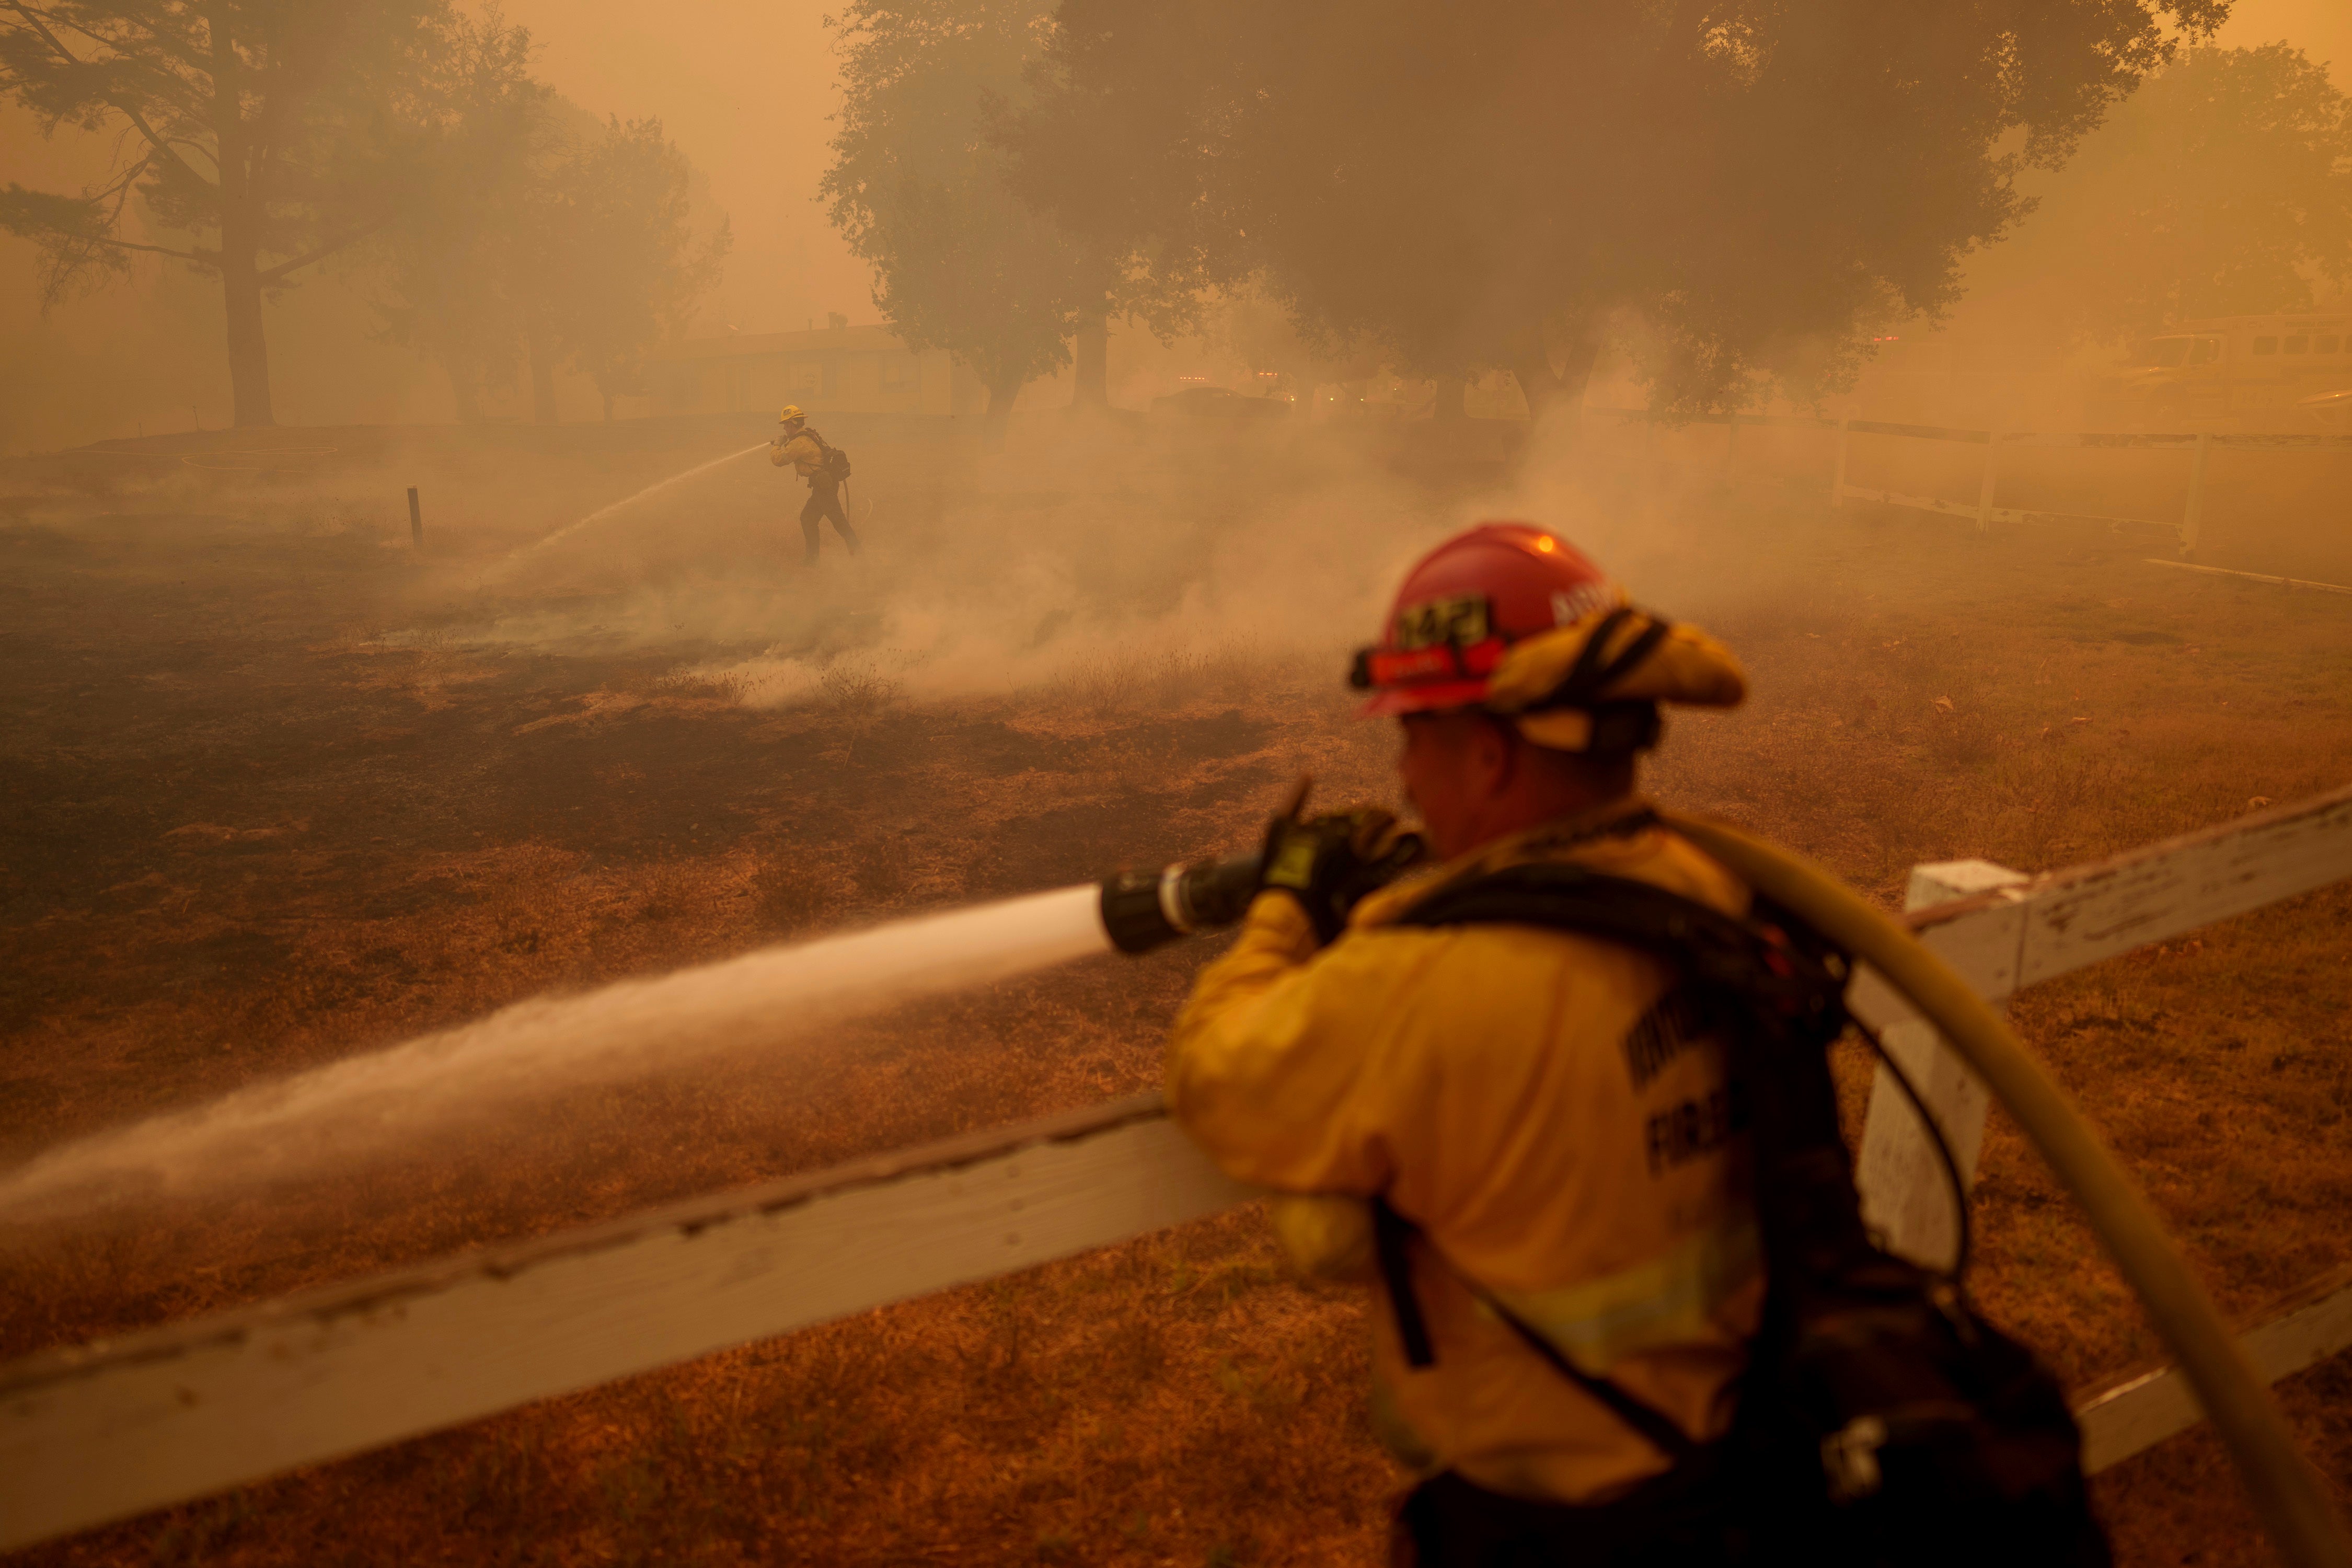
(629, 500)
(373, 1104)
(297, 1130)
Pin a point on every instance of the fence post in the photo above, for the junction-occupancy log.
(2192, 520)
(1984, 494)
(1905, 1196)
(1837, 476)
(415, 521)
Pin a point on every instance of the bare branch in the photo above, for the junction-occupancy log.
(201, 258)
(273, 274)
(160, 143)
(197, 147)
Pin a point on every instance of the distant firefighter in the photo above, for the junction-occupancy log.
(827, 469)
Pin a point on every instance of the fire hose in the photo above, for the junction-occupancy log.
(1141, 910)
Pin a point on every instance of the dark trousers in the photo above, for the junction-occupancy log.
(824, 500)
(1676, 1521)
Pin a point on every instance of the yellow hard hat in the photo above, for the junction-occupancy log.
(792, 412)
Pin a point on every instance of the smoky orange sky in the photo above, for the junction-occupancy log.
(746, 90)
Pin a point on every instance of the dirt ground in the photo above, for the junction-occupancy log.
(275, 787)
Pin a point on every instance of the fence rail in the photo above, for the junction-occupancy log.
(105, 1430)
(2187, 527)
(2287, 583)
(109, 1429)
(2135, 1413)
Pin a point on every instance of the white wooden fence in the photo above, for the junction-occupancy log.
(105, 1430)
(2187, 527)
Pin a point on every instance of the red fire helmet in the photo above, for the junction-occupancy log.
(1468, 600)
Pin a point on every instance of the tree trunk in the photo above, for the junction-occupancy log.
(249, 349)
(543, 372)
(1559, 393)
(998, 414)
(1091, 361)
(463, 392)
(240, 234)
(1449, 407)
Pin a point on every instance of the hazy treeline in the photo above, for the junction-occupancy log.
(490, 223)
(1727, 198)
(1737, 195)
(2222, 187)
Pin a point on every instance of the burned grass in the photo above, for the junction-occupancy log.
(247, 833)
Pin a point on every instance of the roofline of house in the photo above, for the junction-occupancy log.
(2227, 323)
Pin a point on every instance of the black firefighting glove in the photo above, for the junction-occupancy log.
(1331, 862)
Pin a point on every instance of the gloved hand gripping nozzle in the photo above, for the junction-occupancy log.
(1326, 862)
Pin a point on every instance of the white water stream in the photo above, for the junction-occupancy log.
(303, 1126)
(602, 512)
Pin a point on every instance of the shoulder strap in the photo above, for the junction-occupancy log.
(1592, 903)
(1757, 958)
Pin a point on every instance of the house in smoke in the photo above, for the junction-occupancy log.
(836, 369)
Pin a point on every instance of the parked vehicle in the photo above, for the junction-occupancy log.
(1218, 403)
(2228, 371)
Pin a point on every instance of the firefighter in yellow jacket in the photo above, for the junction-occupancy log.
(1549, 1141)
(809, 455)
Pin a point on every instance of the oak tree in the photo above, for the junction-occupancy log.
(918, 187)
(619, 265)
(1752, 181)
(530, 233)
(249, 127)
(449, 275)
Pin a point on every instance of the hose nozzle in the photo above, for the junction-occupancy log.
(1143, 910)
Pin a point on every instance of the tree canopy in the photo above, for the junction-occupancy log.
(918, 186)
(621, 266)
(251, 126)
(529, 231)
(449, 276)
(1746, 185)
(488, 220)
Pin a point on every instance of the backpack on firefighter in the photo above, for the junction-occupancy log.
(834, 464)
(1881, 1420)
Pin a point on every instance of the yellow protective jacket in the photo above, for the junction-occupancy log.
(804, 452)
(1532, 1101)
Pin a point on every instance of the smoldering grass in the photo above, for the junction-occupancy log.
(1121, 682)
(856, 687)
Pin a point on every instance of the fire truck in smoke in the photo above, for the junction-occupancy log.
(2275, 372)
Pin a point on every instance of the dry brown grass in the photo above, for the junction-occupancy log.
(1178, 1400)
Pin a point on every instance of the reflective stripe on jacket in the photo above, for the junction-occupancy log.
(1528, 1098)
